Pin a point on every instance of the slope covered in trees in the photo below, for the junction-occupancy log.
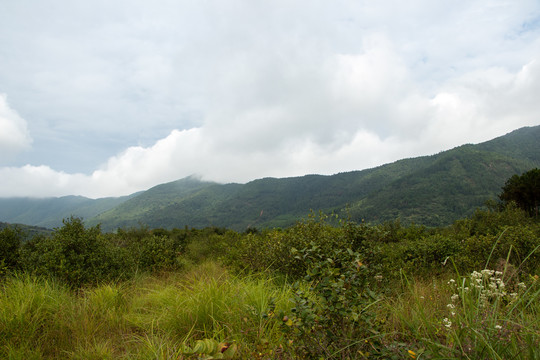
(49, 212)
(430, 190)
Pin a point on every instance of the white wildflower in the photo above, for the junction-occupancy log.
(447, 323)
(487, 273)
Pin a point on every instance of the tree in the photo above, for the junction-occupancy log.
(524, 190)
(10, 242)
(76, 255)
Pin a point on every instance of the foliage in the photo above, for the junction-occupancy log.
(149, 250)
(488, 317)
(10, 241)
(524, 190)
(75, 255)
(333, 317)
(210, 349)
(323, 288)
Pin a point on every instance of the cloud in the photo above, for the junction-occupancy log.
(40, 181)
(475, 100)
(485, 104)
(236, 90)
(14, 135)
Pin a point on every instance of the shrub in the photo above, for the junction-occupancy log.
(75, 255)
(515, 243)
(10, 242)
(154, 253)
(332, 319)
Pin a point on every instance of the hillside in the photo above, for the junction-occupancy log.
(49, 212)
(452, 185)
(430, 190)
(27, 231)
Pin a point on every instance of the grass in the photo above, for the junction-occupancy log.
(155, 317)
(146, 318)
(34, 314)
(451, 319)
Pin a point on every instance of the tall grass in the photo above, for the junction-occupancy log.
(476, 316)
(34, 317)
(159, 317)
(146, 318)
(210, 303)
(156, 317)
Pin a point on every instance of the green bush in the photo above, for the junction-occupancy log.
(271, 250)
(154, 253)
(431, 255)
(514, 244)
(211, 244)
(332, 318)
(10, 242)
(75, 255)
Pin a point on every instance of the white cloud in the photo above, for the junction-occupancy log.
(252, 90)
(14, 135)
(38, 181)
(484, 104)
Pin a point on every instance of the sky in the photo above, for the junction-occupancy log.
(109, 97)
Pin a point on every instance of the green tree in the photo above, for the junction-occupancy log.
(524, 190)
(10, 242)
(76, 255)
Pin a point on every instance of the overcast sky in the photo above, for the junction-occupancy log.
(108, 97)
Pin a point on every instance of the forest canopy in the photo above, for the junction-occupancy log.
(524, 190)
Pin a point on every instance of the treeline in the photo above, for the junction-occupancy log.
(79, 255)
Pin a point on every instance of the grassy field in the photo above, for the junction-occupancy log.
(161, 317)
(319, 290)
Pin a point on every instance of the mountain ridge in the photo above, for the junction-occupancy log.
(432, 190)
(462, 179)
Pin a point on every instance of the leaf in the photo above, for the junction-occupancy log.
(229, 352)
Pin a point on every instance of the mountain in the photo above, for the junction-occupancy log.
(431, 190)
(27, 231)
(49, 212)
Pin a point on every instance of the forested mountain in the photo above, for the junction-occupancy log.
(49, 212)
(27, 231)
(430, 190)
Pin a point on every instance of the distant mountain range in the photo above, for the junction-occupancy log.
(49, 212)
(430, 190)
